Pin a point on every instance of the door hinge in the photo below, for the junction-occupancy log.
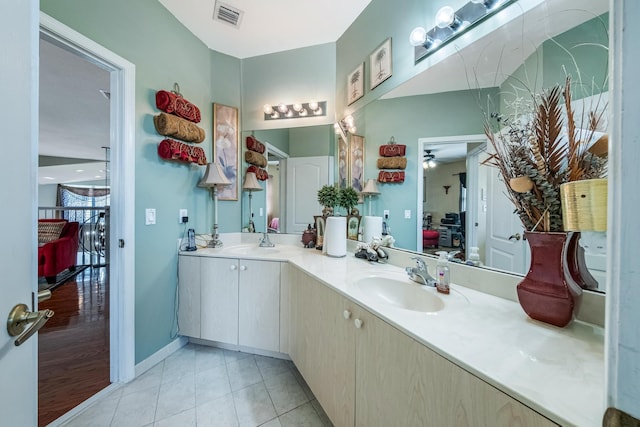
(121, 243)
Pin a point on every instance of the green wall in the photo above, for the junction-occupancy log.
(311, 141)
(164, 52)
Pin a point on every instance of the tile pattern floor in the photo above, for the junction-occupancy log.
(207, 386)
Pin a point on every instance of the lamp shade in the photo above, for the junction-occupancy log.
(251, 182)
(370, 188)
(213, 176)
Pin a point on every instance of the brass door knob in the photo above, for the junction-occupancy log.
(20, 317)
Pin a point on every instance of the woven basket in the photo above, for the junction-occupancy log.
(584, 205)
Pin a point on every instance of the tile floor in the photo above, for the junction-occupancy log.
(206, 386)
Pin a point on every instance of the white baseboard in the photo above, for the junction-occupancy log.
(160, 355)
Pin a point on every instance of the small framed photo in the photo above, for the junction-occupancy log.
(380, 63)
(355, 84)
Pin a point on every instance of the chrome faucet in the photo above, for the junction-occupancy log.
(265, 242)
(420, 273)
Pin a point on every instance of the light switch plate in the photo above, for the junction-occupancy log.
(407, 214)
(386, 213)
(149, 216)
(261, 211)
(181, 214)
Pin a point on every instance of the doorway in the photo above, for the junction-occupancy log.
(276, 189)
(117, 247)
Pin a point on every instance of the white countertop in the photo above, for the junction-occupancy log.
(558, 372)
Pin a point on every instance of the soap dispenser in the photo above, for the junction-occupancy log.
(442, 273)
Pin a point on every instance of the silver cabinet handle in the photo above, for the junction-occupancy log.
(20, 317)
(233, 267)
(243, 267)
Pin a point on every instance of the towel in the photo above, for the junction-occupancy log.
(255, 158)
(255, 145)
(391, 176)
(392, 150)
(168, 125)
(392, 163)
(170, 149)
(171, 103)
(261, 174)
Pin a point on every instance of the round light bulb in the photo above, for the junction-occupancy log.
(317, 111)
(268, 109)
(283, 108)
(336, 127)
(445, 17)
(297, 107)
(418, 36)
(313, 105)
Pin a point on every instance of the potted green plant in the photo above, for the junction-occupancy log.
(328, 196)
(348, 199)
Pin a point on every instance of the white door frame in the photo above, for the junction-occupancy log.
(122, 163)
(473, 165)
(422, 143)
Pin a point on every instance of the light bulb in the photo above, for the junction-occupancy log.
(418, 36)
(317, 111)
(268, 109)
(336, 127)
(297, 107)
(303, 113)
(349, 120)
(283, 108)
(445, 17)
(313, 105)
(432, 164)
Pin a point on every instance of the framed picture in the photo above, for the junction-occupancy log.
(380, 63)
(343, 163)
(353, 226)
(355, 84)
(356, 161)
(226, 146)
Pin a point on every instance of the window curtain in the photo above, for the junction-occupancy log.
(81, 197)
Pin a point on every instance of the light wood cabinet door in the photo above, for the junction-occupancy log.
(219, 291)
(322, 346)
(401, 382)
(286, 279)
(189, 296)
(259, 304)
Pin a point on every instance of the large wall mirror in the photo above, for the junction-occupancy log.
(442, 110)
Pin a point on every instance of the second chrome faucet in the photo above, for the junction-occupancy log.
(420, 273)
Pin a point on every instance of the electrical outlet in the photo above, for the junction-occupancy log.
(183, 213)
(386, 213)
(407, 214)
(149, 216)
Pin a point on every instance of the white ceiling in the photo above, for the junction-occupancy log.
(267, 26)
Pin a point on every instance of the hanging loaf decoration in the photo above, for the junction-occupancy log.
(392, 163)
(170, 149)
(261, 174)
(172, 103)
(256, 159)
(176, 127)
(391, 176)
(255, 145)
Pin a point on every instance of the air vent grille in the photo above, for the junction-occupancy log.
(227, 14)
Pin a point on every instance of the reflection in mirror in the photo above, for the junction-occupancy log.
(568, 38)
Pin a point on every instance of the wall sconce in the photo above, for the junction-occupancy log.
(213, 178)
(345, 126)
(451, 24)
(294, 111)
(429, 161)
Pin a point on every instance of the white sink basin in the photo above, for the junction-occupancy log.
(252, 249)
(401, 293)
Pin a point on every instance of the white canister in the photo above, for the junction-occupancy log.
(335, 236)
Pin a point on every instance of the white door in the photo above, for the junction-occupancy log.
(505, 246)
(19, 76)
(305, 176)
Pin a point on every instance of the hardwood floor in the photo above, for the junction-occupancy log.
(73, 355)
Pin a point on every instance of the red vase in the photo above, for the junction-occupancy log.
(577, 264)
(548, 292)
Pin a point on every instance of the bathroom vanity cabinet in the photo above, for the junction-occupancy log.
(365, 372)
(230, 300)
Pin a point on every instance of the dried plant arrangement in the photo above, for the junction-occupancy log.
(535, 152)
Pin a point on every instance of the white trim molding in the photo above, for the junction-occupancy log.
(122, 142)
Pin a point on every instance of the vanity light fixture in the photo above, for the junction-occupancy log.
(294, 111)
(345, 126)
(450, 24)
(370, 189)
(250, 185)
(214, 178)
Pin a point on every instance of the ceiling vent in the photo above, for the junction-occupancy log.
(227, 14)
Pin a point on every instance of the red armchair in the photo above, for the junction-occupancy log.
(59, 254)
(430, 238)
